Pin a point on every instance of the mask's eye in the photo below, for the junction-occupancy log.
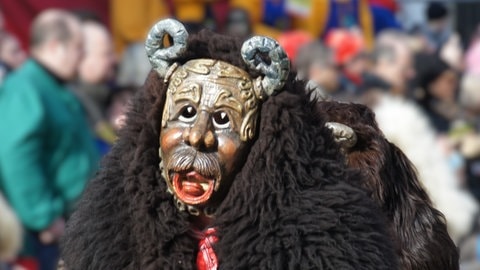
(221, 120)
(188, 114)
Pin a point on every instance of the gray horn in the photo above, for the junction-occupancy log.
(275, 73)
(160, 57)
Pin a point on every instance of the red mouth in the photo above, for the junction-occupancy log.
(192, 188)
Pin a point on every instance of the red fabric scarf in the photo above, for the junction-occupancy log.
(206, 257)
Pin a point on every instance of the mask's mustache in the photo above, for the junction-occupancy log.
(186, 159)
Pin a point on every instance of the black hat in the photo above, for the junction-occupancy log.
(429, 68)
(436, 10)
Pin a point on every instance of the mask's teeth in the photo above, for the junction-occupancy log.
(205, 186)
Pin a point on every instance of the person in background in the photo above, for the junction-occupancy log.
(466, 132)
(418, 42)
(238, 23)
(130, 22)
(320, 17)
(315, 63)
(407, 126)
(393, 65)
(47, 152)
(351, 57)
(266, 17)
(436, 29)
(193, 13)
(11, 54)
(436, 93)
(467, 135)
(96, 70)
(292, 41)
(118, 106)
(384, 15)
(438, 82)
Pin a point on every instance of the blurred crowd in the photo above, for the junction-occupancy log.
(64, 95)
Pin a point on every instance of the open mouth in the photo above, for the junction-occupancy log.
(192, 188)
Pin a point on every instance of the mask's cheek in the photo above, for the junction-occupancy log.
(230, 149)
(170, 138)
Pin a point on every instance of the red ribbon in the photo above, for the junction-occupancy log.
(206, 257)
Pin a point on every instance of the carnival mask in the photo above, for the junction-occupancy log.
(210, 114)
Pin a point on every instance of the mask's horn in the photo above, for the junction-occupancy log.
(162, 58)
(276, 72)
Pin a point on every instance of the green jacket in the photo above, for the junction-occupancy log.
(47, 152)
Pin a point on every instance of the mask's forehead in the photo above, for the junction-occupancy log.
(214, 93)
(211, 85)
(209, 68)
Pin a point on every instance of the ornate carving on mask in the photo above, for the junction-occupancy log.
(250, 99)
(210, 113)
(201, 67)
(193, 92)
(247, 130)
(225, 70)
(177, 79)
(214, 74)
(225, 98)
(209, 117)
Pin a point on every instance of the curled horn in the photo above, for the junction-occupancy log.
(275, 73)
(160, 57)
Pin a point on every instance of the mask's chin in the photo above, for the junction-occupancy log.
(192, 188)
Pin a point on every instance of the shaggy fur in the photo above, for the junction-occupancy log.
(418, 228)
(293, 205)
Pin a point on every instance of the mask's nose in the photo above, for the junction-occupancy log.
(201, 134)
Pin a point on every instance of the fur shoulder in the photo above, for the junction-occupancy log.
(295, 205)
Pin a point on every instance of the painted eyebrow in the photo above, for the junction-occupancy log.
(191, 92)
(225, 98)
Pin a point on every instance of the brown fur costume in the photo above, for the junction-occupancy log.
(293, 205)
(418, 228)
